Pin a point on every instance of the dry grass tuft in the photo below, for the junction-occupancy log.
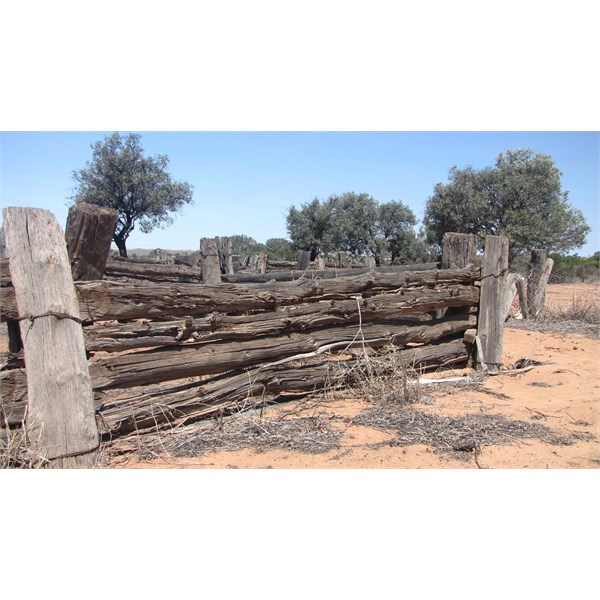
(384, 378)
(15, 451)
(582, 315)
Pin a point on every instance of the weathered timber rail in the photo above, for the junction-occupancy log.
(107, 300)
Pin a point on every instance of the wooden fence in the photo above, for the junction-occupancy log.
(156, 352)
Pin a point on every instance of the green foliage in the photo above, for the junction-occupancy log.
(571, 269)
(520, 197)
(138, 187)
(356, 223)
(280, 249)
(244, 245)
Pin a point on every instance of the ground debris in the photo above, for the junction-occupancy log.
(310, 435)
(455, 434)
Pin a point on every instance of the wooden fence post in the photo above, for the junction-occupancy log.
(209, 259)
(225, 246)
(494, 275)
(60, 422)
(15, 344)
(303, 260)
(458, 250)
(541, 267)
(88, 234)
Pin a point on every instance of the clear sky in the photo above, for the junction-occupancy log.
(245, 182)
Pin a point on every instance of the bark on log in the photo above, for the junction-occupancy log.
(61, 422)
(88, 235)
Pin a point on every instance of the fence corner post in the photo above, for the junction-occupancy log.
(61, 420)
(494, 278)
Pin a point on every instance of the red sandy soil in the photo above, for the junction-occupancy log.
(562, 394)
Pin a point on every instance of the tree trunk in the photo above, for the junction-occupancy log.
(120, 242)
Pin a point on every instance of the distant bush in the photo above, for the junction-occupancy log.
(567, 269)
(574, 269)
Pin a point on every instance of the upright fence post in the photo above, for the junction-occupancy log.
(88, 234)
(60, 422)
(494, 276)
(15, 344)
(458, 251)
(303, 260)
(210, 261)
(541, 268)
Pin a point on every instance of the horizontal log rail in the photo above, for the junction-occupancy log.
(172, 363)
(106, 300)
(293, 274)
(176, 404)
(409, 304)
(152, 271)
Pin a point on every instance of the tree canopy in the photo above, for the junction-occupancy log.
(119, 176)
(521, 197)
(356, 223)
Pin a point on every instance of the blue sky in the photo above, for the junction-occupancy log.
(245, 182)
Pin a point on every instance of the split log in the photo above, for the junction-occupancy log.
(383, 308)
(287, 265)
(293, 275)
(106, 300)
(61, 423)
(180, 404)
(88, 235)
(510, 293)
(200, 399)
(152, 271)
(167, 364)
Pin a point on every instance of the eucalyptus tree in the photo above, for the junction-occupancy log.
(520, 197)
(140, 188)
